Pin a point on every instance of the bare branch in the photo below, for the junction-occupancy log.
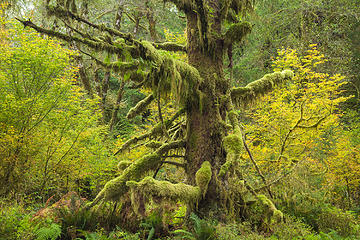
(255, 164)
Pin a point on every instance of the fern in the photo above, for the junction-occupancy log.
(49, 233)
(203, 230)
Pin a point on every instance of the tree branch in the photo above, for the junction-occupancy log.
(170, 46)
(242, 96)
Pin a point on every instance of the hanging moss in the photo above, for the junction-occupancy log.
(169, 75)
(272, 214)
(203, 177)
(140, 107)
(242, 96)
(236, 32)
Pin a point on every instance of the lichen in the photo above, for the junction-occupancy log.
(203, 177)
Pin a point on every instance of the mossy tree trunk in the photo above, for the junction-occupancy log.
(204, 95)
(204, 129)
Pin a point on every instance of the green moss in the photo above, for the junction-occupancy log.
(233, 143)
(154, 144)
(226, 166)
(242, 96)
(272, 215)
(166, 190)
(123, 165)
(116, 187)
(140, 107)
(203, 177)
(236, 32)
(233, 118)
(169, 75)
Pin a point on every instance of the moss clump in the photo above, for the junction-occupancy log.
(242, 96)
(233, 143)
(272, 215)
(122, 165)
(203, 177)
(236, 32)
(233, 146)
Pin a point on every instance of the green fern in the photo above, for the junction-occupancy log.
(202, 230)
(49, 233)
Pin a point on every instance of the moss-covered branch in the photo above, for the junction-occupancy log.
(97, 45)
(117, 187)
(170, 46)
(166, 190)
(140, 107)
(117, 66)
(242, 96)
(154, 132)
(63, 13)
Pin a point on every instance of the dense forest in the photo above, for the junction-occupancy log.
(179, 119)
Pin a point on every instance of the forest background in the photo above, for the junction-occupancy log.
(73, 116)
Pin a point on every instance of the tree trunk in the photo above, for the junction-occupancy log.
(204, 126)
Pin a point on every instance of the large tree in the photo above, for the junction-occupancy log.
(211, 143)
